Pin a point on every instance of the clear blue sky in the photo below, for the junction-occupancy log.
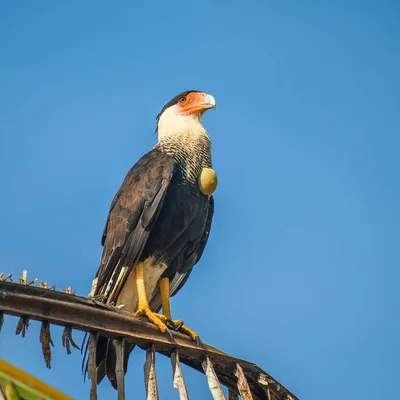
(301, 272)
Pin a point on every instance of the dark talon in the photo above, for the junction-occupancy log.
(170, 324)
(169, 333)
(178, 326)
(198, 341)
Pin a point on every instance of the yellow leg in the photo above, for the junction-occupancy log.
(164, 289)
(144, 308)
(178, 324)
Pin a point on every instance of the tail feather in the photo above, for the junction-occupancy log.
(106, 359)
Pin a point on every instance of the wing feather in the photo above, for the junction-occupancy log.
(191, 257)
(133, 211)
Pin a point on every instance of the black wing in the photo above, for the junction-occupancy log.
(133, 212)
(187, 260)
(193, 256)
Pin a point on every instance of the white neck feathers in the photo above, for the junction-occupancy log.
(184, 137)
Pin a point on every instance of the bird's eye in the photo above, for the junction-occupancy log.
(182, 99)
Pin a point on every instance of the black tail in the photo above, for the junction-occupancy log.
(106, 359)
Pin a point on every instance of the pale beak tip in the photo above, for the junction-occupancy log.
(210, 101)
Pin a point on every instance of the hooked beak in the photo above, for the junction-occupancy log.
(209, 102)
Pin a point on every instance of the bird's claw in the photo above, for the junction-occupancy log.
(178, 323)
(167, 321)
(156, 319)
(193, 335)
(170, 336)
(163, 323)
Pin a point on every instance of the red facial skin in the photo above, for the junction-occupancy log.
(193, 103)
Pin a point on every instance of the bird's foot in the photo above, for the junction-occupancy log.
(173, 324)
(187, 331)
(163, 323)
(180, 327)
(157, 319)
(178, 323)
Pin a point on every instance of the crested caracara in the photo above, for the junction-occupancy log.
(158, 224)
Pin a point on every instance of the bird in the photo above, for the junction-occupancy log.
(158, 224)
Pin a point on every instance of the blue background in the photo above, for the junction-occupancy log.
(301, 271)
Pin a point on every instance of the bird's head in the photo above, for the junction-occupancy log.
(183, 113)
